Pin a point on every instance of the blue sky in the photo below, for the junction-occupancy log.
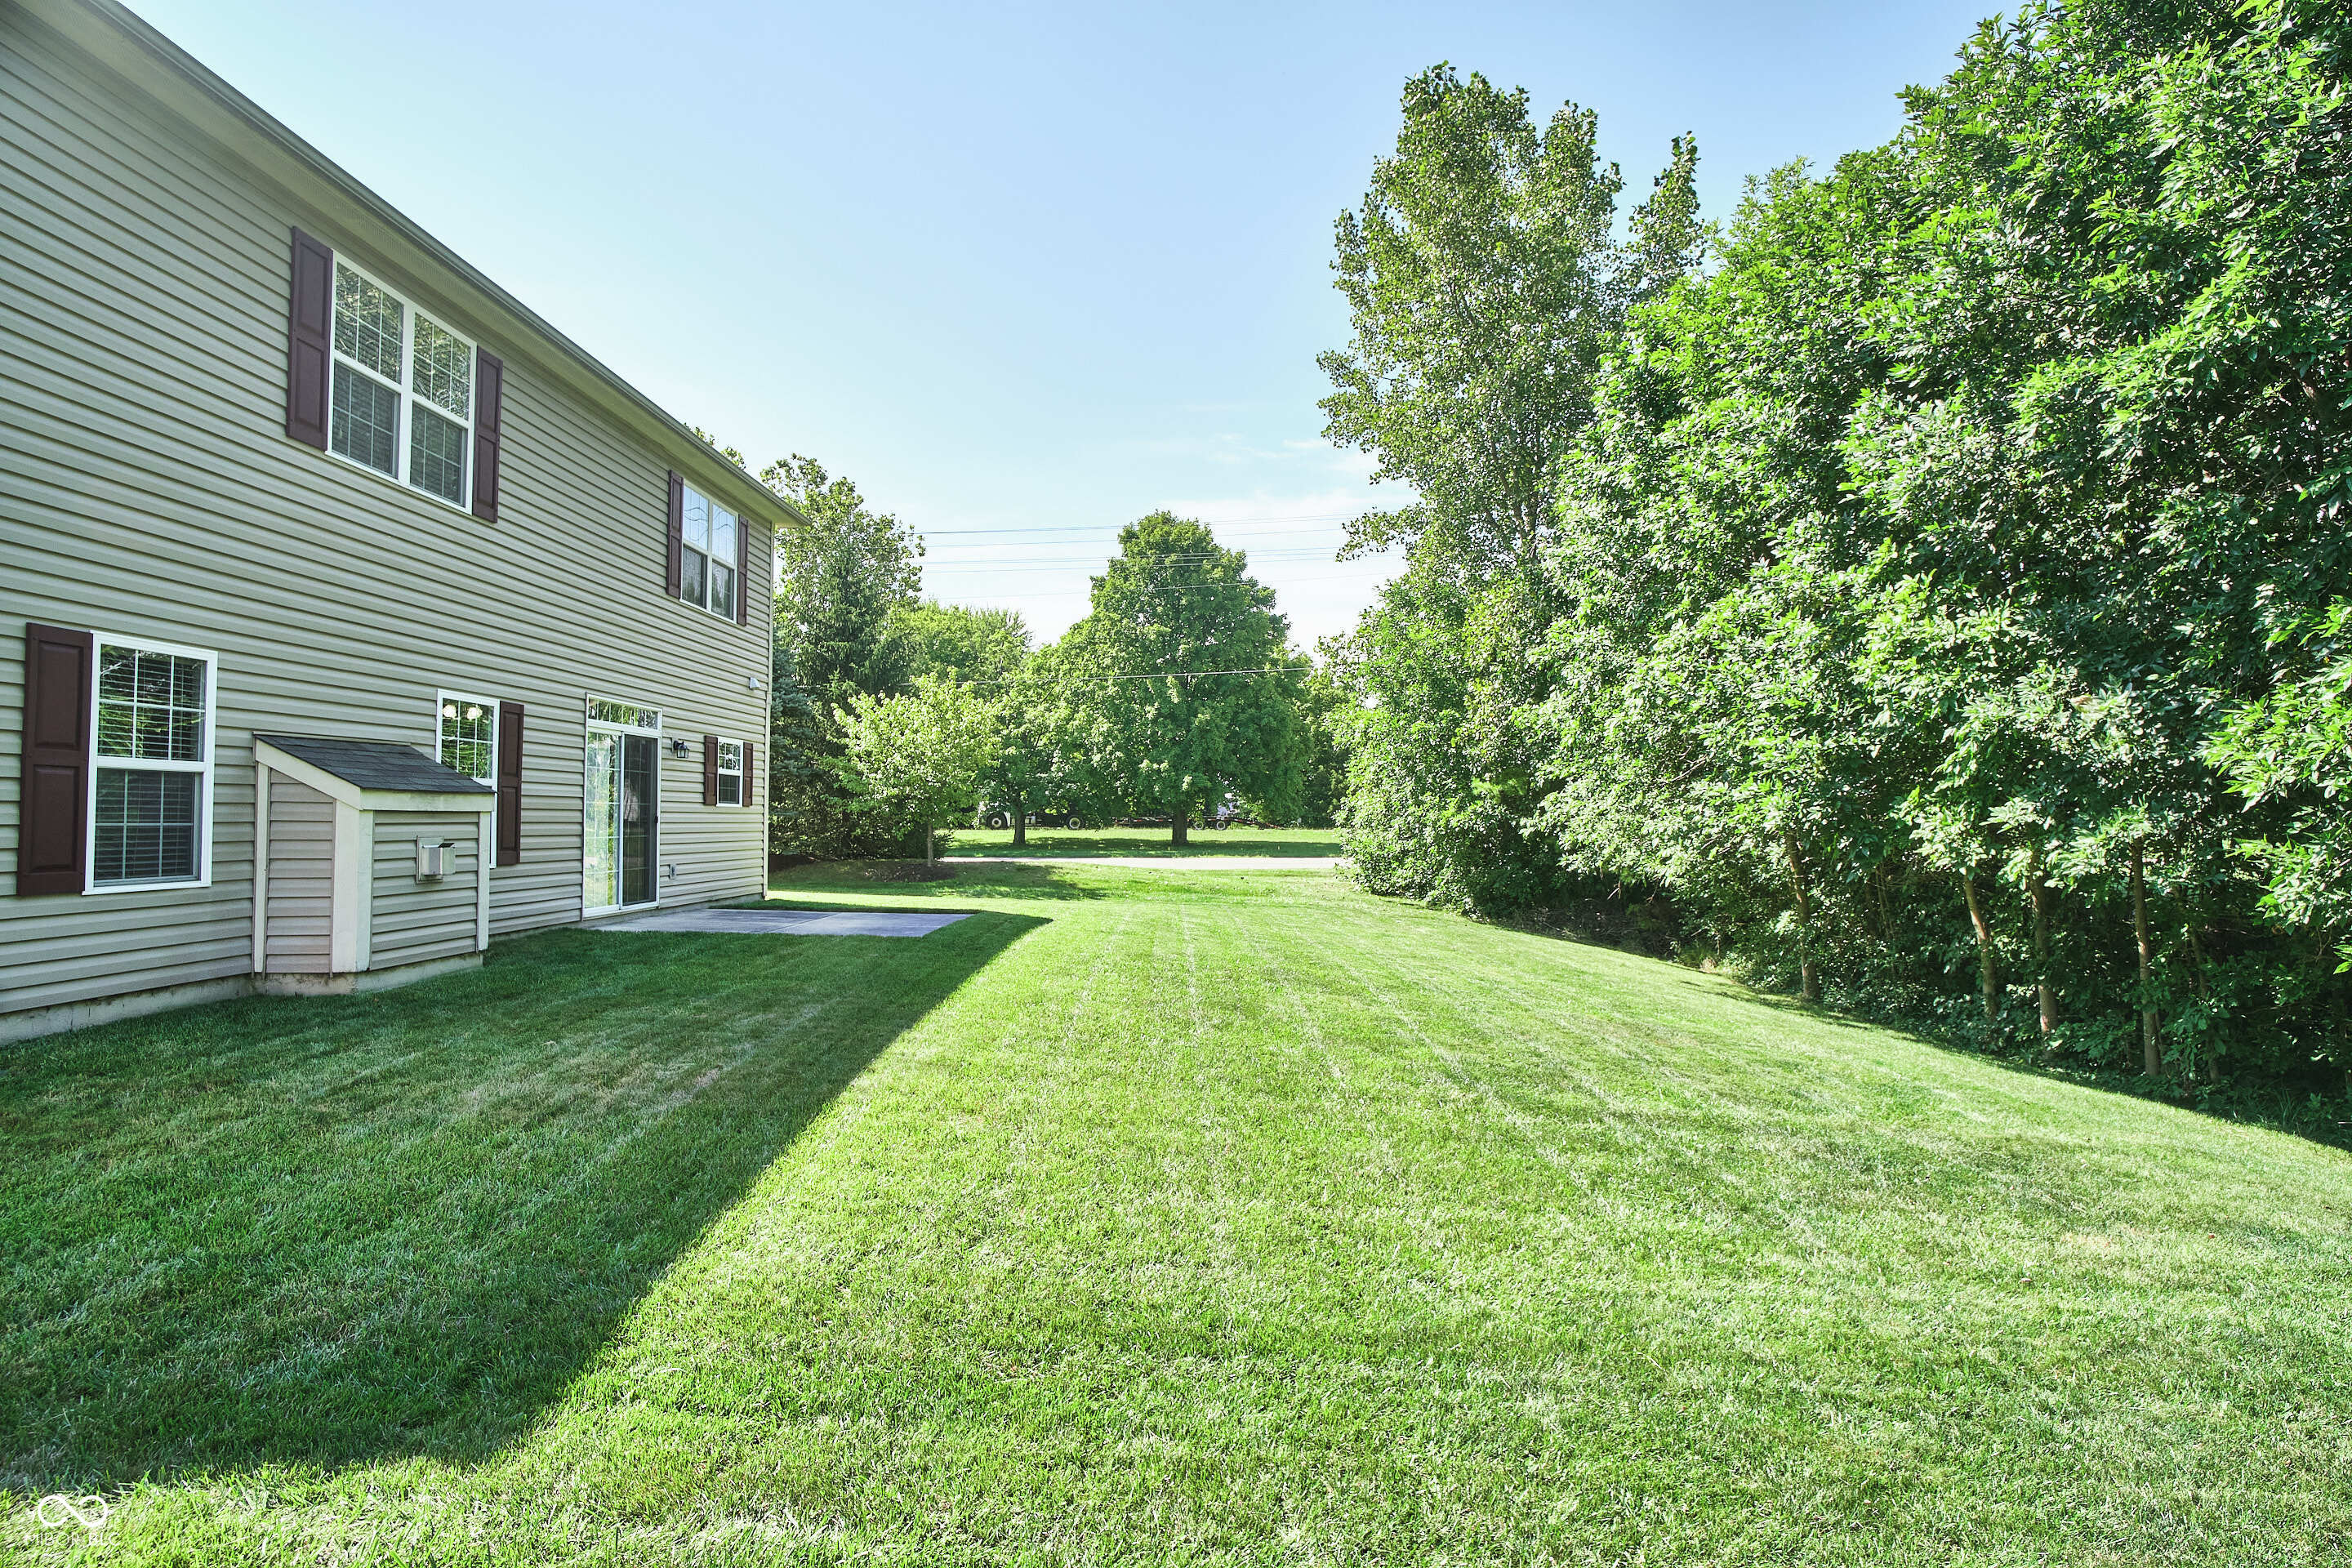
(1025, 272)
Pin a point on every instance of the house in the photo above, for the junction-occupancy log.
(351, 616)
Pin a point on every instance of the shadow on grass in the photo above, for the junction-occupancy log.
(327, 1231)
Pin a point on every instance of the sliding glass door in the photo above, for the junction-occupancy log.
(622, 811)
(640, 815)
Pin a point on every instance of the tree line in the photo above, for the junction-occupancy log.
(893, 717)
(1929, 591)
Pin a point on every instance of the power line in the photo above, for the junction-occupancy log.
(1152, 675)
(1165, 588)
(1092, 567)
(1143, 559)
(1324, 517)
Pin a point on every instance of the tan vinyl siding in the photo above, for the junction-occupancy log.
(302, 879)
(705, 843)
(147, 490)
(412, 921)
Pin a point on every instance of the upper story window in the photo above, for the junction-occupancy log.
(151, 785)
(469, 736)
(730, 772)
(402, 400)
(707, 573)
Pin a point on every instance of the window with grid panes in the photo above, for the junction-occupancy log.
(469, 730)
(707, 576)
(402, 401)
(152, 774)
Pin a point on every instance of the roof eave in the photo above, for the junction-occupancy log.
(676, 438)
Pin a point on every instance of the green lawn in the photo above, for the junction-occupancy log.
(1150, 1216)
(1149, 841)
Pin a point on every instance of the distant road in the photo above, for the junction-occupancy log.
(1161, 862)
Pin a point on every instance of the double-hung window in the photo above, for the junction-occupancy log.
(151, 785)
(730, 772)
(707, 564)
(468, 729)
(402, 399)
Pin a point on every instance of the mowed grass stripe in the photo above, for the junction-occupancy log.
(1183, 1216)
(1801, 1199)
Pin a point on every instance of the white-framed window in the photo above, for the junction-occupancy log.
(730, 772)
(467, 732)
(151, 779)
(707, 576)
(403, 398)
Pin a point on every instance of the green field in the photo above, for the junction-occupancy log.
(1151, 842)
(1148, 1216)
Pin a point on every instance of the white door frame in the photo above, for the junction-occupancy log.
(600, 717)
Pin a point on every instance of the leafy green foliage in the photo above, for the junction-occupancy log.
(1179, 681)
(1485, 290)
(843, 584)
(1477, 228)
(2289, 754)
(954, 642)
(840, 582)
(920, 756)
(1972, 532)
(1323, 767)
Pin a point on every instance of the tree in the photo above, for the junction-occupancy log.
(839, 582)
(1323, 775)
(2289, 753)
(1483, 288)
(957, 643)
(989, 650)
(1025, 710)
(805, 801)
(1182, 677)
(920, 755)
(1485, 291)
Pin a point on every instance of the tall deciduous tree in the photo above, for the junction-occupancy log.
(1484, 285)
(1485, 290)
(1946, 599)
(1026, 709)
(1183, 674)
(840, 580)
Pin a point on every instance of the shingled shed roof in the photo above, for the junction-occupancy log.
(377, 765)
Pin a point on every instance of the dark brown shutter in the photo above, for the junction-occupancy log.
(748, 797)
(54, 795)
(489, 391)
(309, 313)
(510, 825)
(742, 571)
(677, 532)
(711, 769)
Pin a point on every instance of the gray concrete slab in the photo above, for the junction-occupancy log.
(786, 923)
